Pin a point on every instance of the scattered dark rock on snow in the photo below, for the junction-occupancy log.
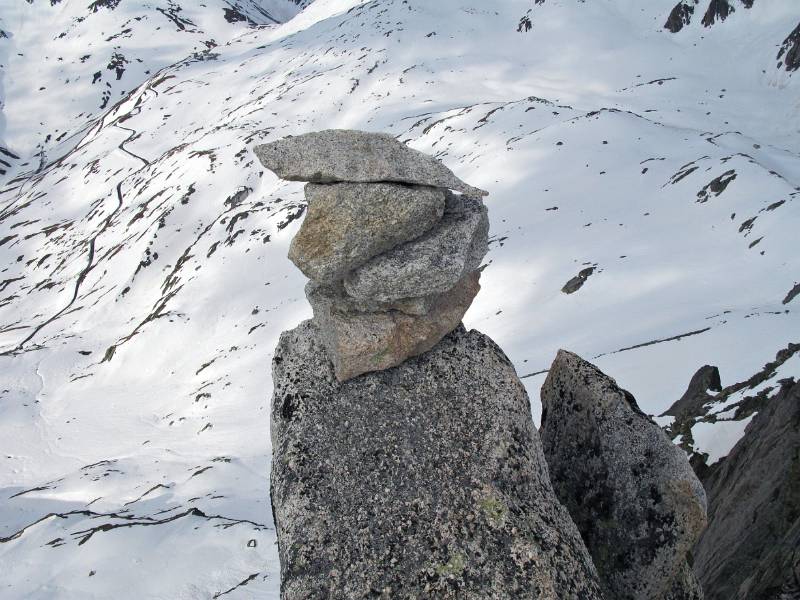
(576, 283)
(789, 54)
(98, 4)
(716, 186)
(793, 293)
(232, 15)
(751, 549)
(680, 15)
(631, 492)
(426, 480)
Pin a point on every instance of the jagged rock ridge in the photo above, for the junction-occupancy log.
(750, 549)
(789, 53)
(706, 402)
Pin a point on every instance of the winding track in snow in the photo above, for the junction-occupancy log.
(91, 264)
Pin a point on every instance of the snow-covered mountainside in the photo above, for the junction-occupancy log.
(66, 62)
(645, 195)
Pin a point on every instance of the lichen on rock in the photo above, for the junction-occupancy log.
(426, 480)
(631, 492)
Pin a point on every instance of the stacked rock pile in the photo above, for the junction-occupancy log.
(392, 253)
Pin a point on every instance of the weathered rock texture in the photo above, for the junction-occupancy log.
(680, 15)
(344, 155)
(359, 342)
(633, 495)
(393, 266)
(423, 481)
(349, 223)
(431, 264)
(751, 549)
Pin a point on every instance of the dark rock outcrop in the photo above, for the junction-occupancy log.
(718, 10)
(789, 54)
(680, 16)
(576, 283)
(696, 395)
(795, 291)
(631, 492)
(426, 480)
(751, 549)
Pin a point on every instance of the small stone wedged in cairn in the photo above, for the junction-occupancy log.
(337, 155)
(430, 264)
(349, 223)
(318, 293)
(632, 493)
(392, 253)
(359, 342)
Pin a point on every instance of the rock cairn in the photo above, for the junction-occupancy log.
(392, 253)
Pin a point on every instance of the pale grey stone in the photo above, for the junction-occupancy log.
(630, 491)
(425, 481)
(432, 263)
(358, 156)
(349, 223)
(359, 342)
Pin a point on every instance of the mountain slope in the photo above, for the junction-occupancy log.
(144, 279)
(70, 61)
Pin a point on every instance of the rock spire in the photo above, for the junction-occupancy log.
(631, 492)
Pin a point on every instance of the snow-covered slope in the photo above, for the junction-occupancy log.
(64, 62)
(143, 278)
